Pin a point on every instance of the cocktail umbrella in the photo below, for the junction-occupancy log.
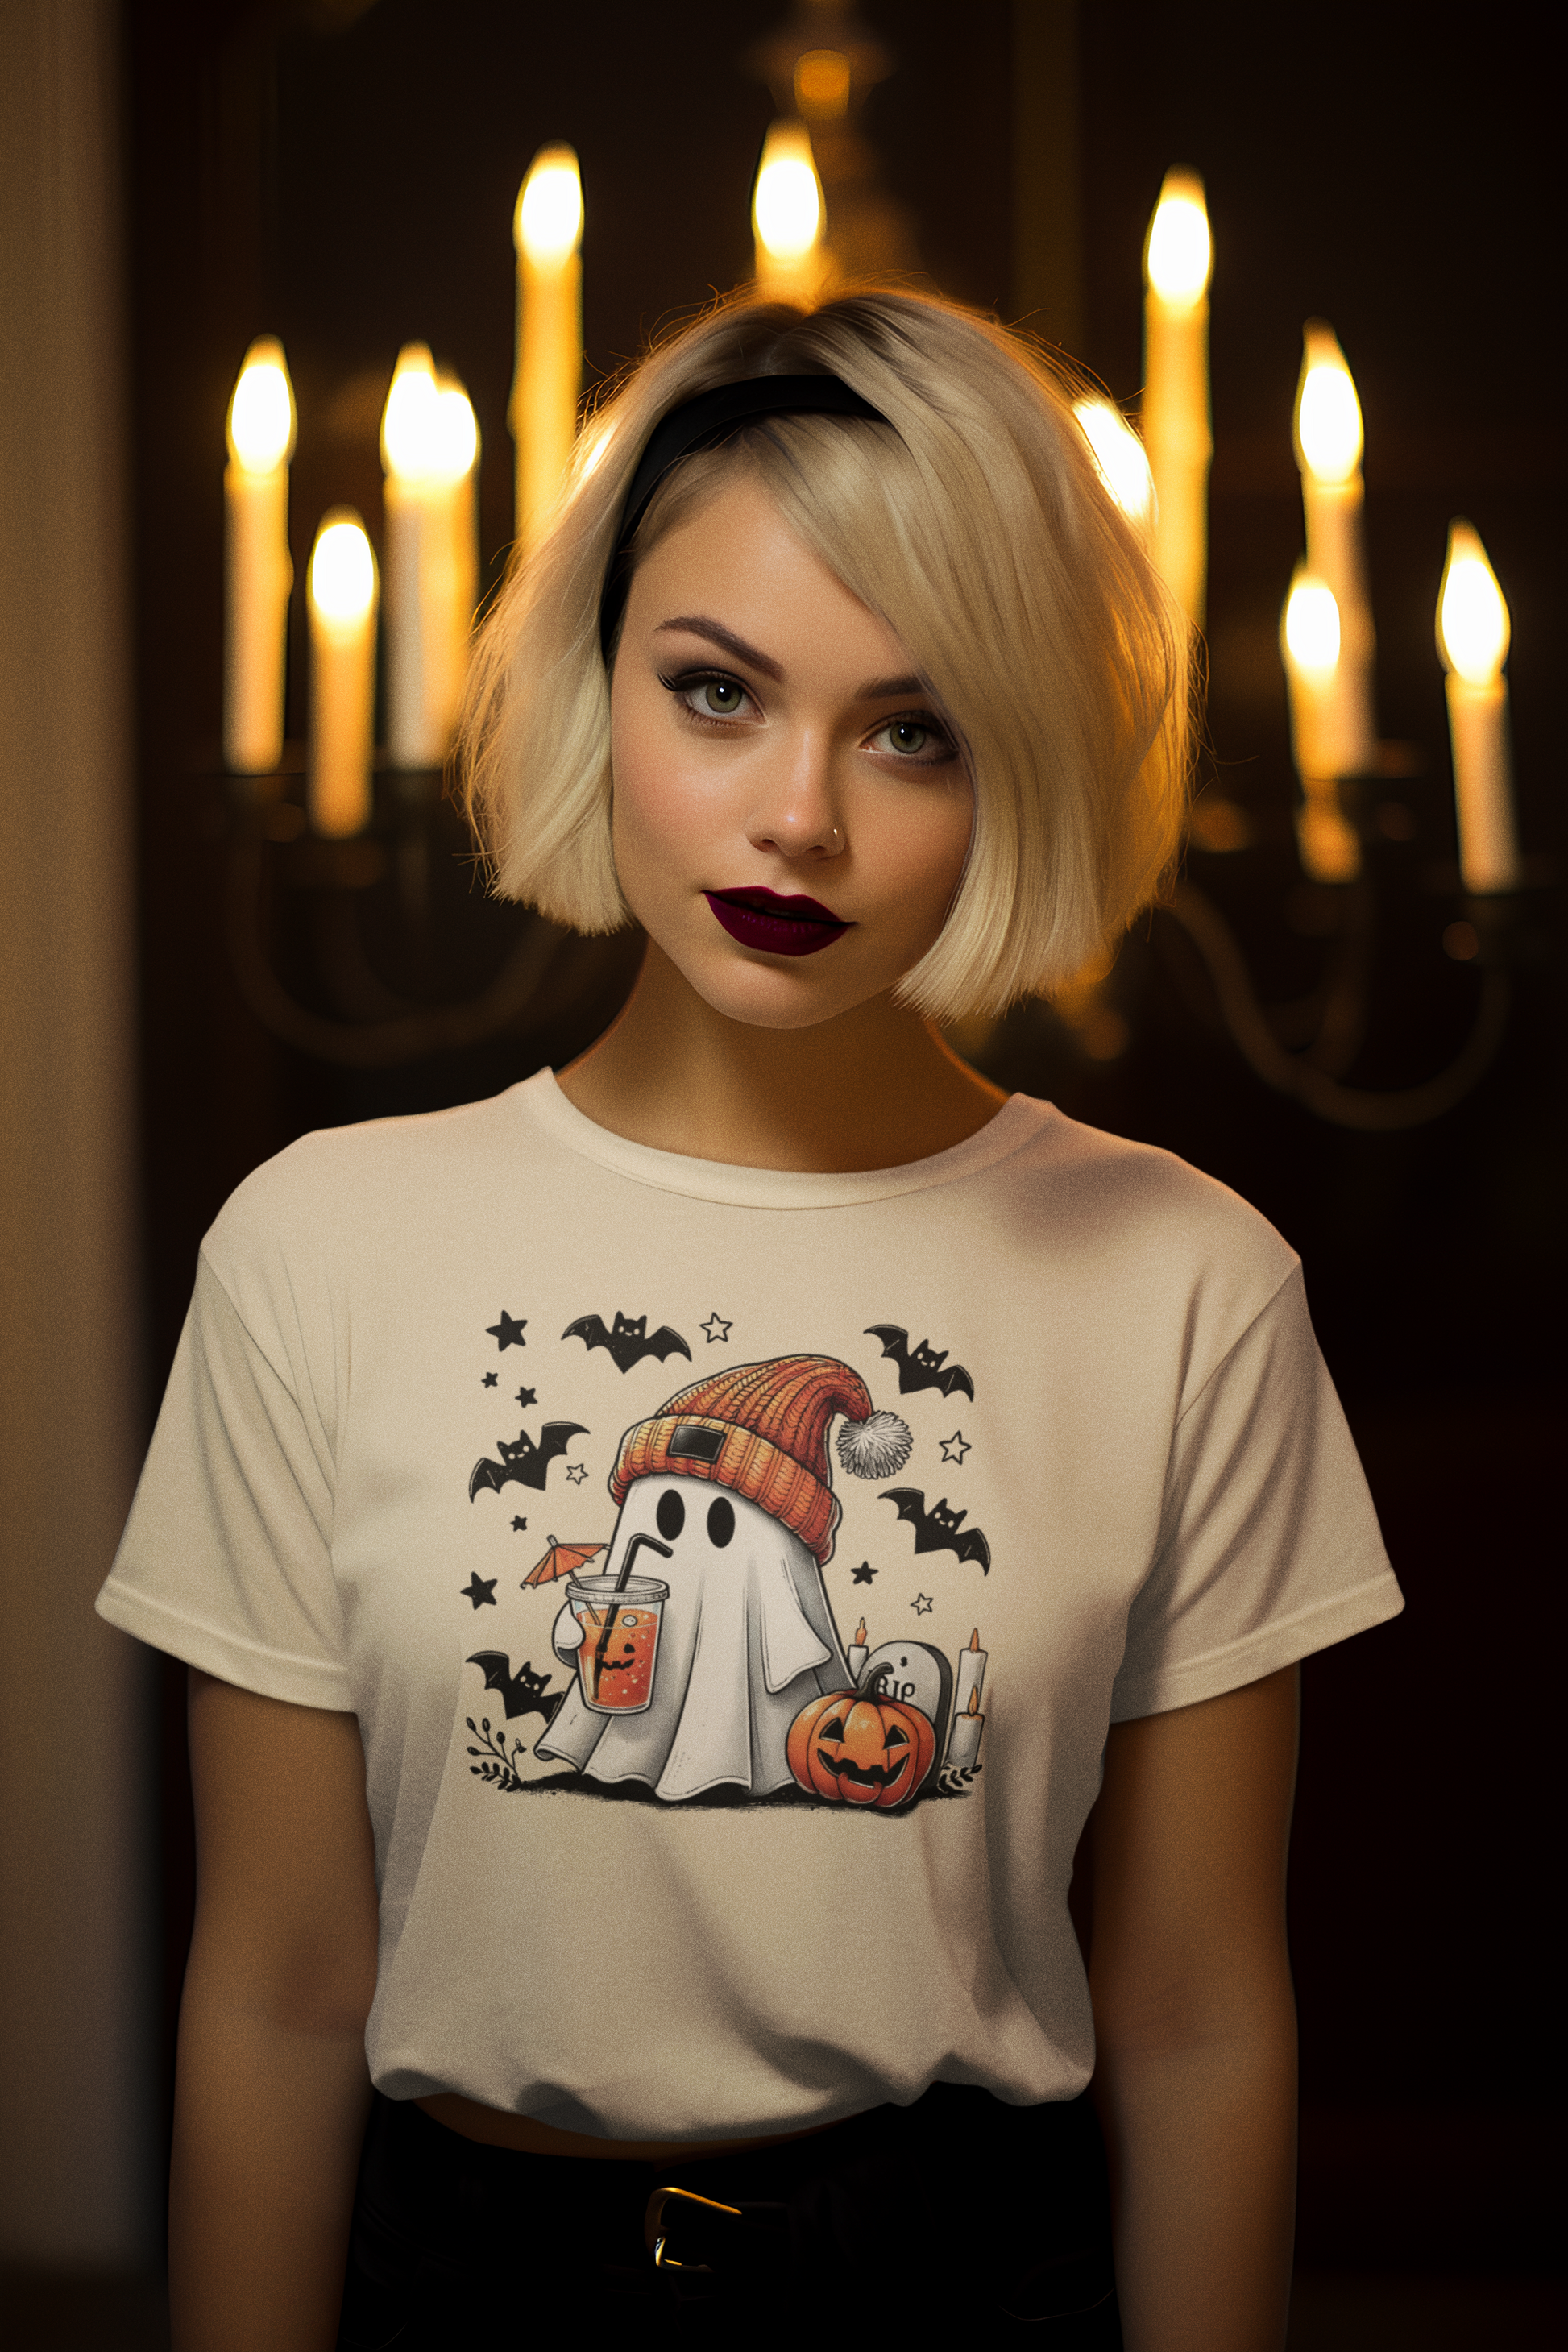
(561, 1559)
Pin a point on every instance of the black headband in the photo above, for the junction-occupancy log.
(699, 424)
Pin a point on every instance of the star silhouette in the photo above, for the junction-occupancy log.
(716, 1327)
(576, 1474)
(519, 1526)
(489, 1380)
(527, 1396)
(922, 1604)
(955, 1447)
(864, 1573)
(508, 1332)
(479, 1589)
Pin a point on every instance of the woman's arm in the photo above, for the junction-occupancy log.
(271, 2090)
(1195, 2018)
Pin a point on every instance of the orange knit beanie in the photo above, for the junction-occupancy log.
(761, 1430)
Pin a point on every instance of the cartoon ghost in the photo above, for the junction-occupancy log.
(726, 1497)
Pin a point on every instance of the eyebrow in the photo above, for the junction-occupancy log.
(696, 624)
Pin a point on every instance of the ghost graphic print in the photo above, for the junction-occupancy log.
(710, 1629)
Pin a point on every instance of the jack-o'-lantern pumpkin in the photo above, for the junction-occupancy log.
(861, 1751)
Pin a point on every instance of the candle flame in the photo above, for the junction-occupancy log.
(1328, 437)
(547, 225)
(456, 435)
(975, 1639)
(261, 411)
(428, 429)
(1179, 256)
(860, 1643)
(1311, 625)
(1121, 457)
(1472, 618)
(408, 420)
(342, 579)
(786, 206)
(974, 1700)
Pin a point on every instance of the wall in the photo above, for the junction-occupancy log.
(77, 2163)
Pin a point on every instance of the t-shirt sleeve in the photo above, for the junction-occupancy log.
(1270, 1546)
(226, 1561)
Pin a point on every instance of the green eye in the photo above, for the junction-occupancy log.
(907, 735)
(722, 696)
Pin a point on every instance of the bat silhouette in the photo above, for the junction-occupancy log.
(630, 1341)
(938, 1529)
(524, 1693)
(526, 1463)
(924, 1367)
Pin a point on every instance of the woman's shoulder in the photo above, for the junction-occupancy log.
(1141, 1204)
(338, 1188)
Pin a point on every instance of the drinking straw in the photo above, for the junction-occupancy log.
(653, 1544)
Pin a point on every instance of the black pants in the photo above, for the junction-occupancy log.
(957, 2213)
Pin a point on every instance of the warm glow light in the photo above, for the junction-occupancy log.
(1311, 625)
(1329, 439)
(1180, 253)
(786, 209)
(261, 412)
(1120, 455)
(342, 573)
(595, 449)
(822, 84)
(408, 422)
(1473, 618)
(456, 438)
(548, 220)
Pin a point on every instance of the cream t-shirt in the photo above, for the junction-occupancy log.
(782, 1828)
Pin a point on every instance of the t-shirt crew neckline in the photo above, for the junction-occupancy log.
(541, 1100)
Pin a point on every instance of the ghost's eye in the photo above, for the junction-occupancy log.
(671, 1514)
(720, 1521)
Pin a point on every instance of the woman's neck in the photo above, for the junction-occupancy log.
(874, 1088)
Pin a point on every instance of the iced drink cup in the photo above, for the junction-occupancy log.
(620, 1640)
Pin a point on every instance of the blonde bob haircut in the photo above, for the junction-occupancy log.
(976, 524)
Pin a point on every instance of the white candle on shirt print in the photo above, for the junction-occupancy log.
(971, 1674)
(857, 1652)
(963, 1747)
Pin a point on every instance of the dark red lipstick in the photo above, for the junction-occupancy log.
(775, 925)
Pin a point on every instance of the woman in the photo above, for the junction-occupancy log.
(929, 1473)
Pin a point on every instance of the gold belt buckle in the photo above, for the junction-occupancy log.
(654, 2230)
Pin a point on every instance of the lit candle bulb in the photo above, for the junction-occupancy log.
(1472, 640)
(971, 1673)
(429, 444)
(259, 574)
(1122, 461)
(341, 591)
(547, 229)
(858, 1652)
(964, 1741)
(1309, 641)
(1177, 264)
(1328, 442)
(787, 217)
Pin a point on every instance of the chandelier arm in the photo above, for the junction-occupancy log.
(1342, 1022)
(1370, 1110)
(380, 1044)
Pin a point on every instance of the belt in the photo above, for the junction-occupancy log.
(703, 2248)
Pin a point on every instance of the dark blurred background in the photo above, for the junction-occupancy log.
(343, 175)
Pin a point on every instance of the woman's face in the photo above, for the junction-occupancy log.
(790, 813)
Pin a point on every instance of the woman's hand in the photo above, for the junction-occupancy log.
(271, 2090)
(1195, 2018)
